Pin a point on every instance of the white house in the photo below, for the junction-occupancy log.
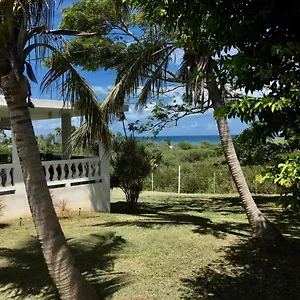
(84, 183)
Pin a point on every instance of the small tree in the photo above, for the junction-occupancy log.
(131, 164)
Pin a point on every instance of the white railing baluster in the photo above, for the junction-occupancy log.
(11, 176)
(47, 172)
(93, 169)
(7, 177)
(72, 171)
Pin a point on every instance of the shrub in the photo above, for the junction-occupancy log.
(131, 164)
(253, 148)
(62, 209)
(165, 179)
(185, 145)
(192, 155)
(286, 176)
(192, 184)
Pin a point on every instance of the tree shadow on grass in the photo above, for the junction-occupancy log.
(249, 271)
(174, 213)
(4, 225)
(26, 274)
(184, 210)
(173, 204)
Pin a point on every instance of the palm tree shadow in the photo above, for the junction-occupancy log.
(249, 271)
(26, 274)
(176, 213)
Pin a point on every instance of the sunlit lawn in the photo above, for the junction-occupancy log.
(175, 247)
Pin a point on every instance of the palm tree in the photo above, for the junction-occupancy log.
(147, 66)
(24, 31)
(261, 226)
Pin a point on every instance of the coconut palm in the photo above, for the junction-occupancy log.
(147, 67)
(26, 36)
(261, 226)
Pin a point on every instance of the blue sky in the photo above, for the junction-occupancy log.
(101, 81)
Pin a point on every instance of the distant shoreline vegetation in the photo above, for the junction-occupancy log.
(176, 139)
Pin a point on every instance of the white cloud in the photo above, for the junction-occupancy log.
(255, 94)
(133, 115)
(46, 126)
(101, 89)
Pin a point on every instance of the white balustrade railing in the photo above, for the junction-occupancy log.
(58, 172)
(72, 171)
(6, 177)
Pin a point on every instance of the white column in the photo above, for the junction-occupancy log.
(66, 131)
(105, 183)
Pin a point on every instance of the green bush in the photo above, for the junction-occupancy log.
(130, 164)
(192, 155)
(194, 184)
(185, 145)
(286, 176)
(165, 179)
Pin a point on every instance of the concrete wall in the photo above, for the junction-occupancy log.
(89, 197)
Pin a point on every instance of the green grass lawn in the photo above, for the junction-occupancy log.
(175, 247)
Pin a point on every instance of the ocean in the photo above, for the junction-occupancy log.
(175, 139)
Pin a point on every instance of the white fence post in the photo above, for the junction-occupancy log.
(152, 182)
(179, 180)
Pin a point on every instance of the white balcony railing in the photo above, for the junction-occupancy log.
(58, 173)
(73, 171)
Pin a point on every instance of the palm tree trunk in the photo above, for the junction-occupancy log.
(71, 285)
(261, 226)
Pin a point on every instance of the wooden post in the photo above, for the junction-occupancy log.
(179, 179)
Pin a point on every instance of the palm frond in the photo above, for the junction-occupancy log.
(74, 89)
(156, 80)
(85, 136)
(146, 61)
(193, 70)
(40, 12)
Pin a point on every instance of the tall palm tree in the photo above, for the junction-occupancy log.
(25, 31)
(261, 226)
(148, 67)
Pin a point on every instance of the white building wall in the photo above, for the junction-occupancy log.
(93, 196)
